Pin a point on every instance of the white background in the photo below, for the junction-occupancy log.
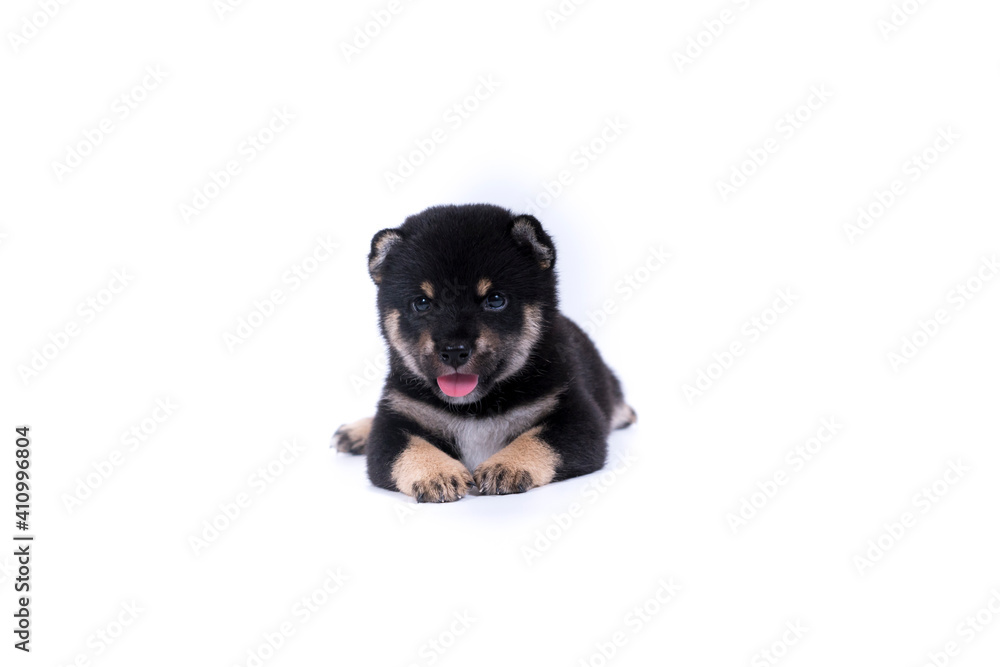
(300, 374)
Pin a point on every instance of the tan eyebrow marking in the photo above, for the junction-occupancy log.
(427, 289)
(483, 287)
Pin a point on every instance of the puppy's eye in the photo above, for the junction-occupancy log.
(495, 301)
(421, 304)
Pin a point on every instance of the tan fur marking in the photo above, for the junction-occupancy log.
(487, 342)
(531, 453)
(425, 344)
(423, 469)
(476, 439)
(391, 323)
(527, 453)
(427, 289)
(381, 250)
(622, 416)
(523, 231)
(353, 437)
(382, 245)
(483, 287)
(530, 333)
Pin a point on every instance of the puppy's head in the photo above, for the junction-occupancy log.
(464, 294)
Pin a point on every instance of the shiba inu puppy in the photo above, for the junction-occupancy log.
(489, 385)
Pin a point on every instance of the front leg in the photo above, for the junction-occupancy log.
(401, 457)
(563, 446)
(528, 461)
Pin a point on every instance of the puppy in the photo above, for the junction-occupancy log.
(489, 385)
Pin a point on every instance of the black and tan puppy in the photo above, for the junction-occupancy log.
(489, 384)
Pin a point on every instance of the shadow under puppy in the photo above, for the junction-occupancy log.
(485, 374)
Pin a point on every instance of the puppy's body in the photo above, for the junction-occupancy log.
(485, 374)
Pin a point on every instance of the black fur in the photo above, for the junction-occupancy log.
(453, 248)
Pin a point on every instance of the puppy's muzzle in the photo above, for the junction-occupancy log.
(454, 355)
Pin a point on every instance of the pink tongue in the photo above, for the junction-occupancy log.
(457, 384)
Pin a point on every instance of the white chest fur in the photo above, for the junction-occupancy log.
(477, 439)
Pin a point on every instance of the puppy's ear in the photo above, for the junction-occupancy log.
(528, 232)
(382, 243)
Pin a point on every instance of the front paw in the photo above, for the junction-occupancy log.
(497, 479)
(428, 474)
(525, 463)
(442, 488)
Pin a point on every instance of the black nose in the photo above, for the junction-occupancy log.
(455, 355)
